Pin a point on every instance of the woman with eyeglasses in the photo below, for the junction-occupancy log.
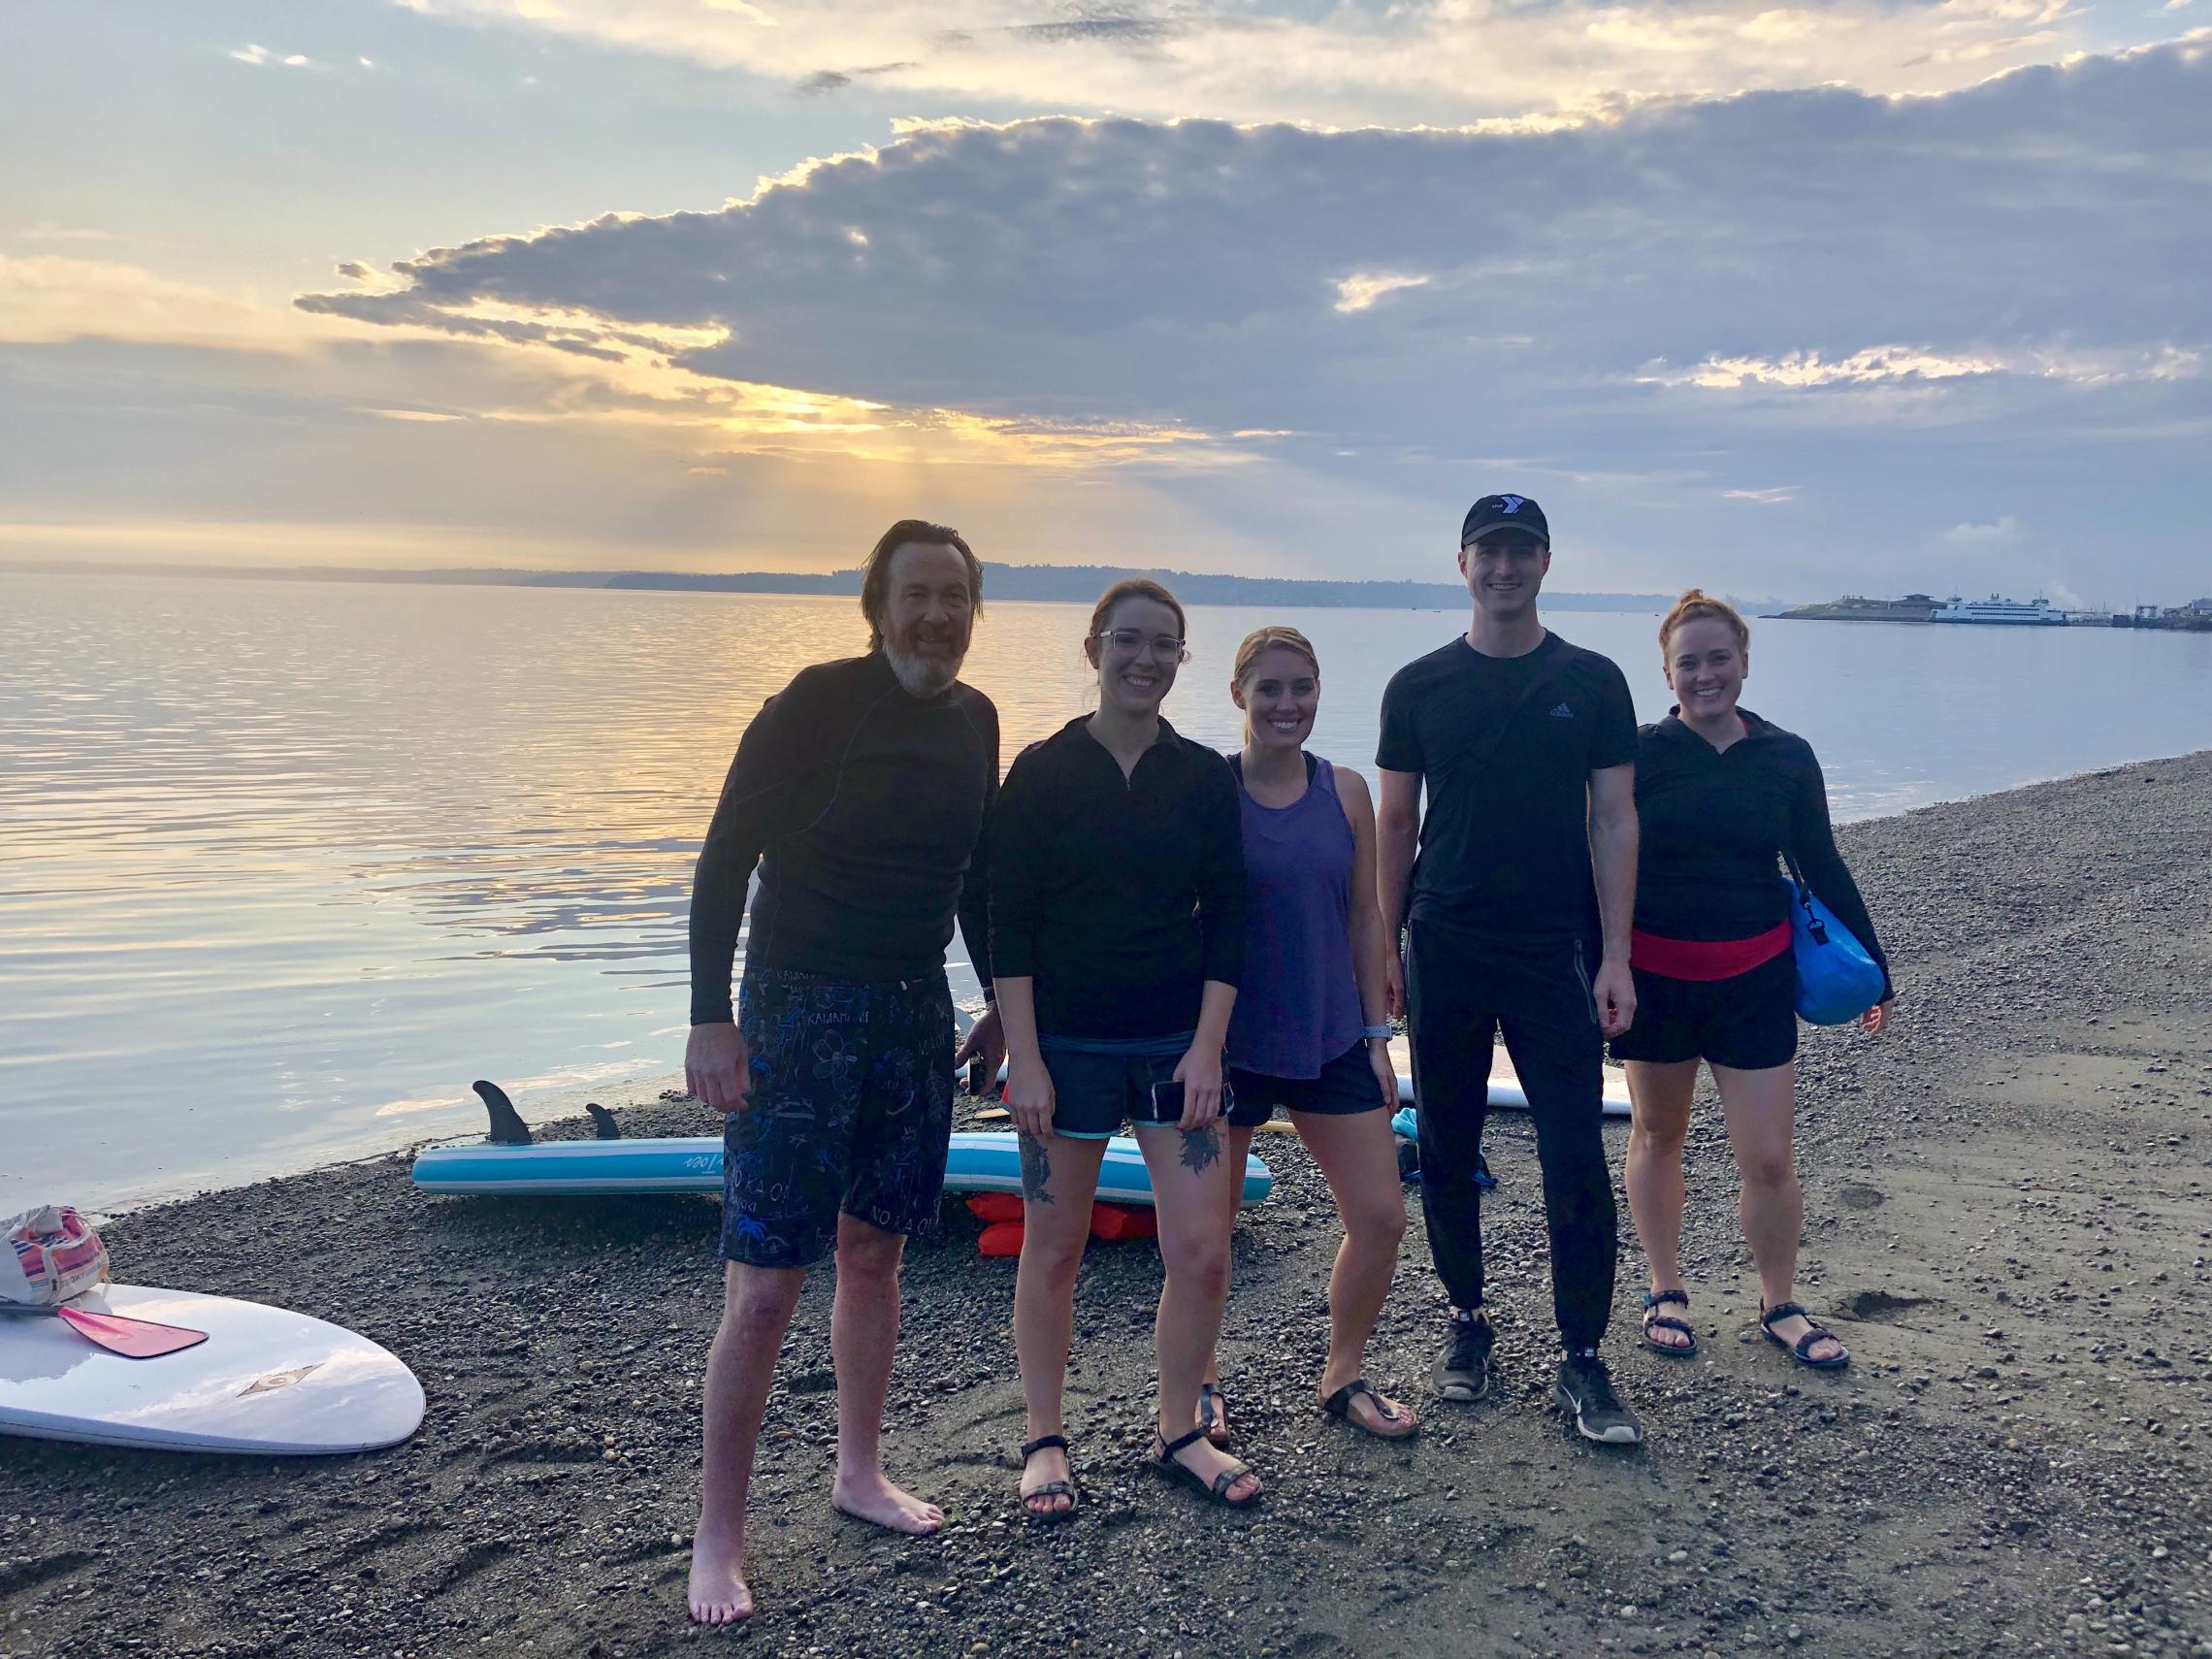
(1117, 936)
(1310, 1033)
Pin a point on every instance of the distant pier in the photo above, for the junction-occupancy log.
(2195, 617)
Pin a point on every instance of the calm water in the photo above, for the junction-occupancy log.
(287, 864)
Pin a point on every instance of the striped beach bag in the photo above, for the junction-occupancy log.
(53, 1255)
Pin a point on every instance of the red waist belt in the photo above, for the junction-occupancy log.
(1706, 959)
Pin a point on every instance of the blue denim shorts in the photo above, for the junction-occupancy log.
(1101, 1083)
(851, 1111)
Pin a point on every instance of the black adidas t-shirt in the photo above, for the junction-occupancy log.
(1506, 746)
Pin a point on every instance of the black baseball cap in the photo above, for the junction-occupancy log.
(1504, 512)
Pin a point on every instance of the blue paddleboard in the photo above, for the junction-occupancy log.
(980, 1160)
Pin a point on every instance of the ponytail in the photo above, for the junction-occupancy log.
(1698, 605)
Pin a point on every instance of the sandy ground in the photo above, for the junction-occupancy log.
(2007, 1220)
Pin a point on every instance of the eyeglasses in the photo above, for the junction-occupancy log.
(1161, 648)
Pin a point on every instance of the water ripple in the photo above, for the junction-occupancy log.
(288, 864)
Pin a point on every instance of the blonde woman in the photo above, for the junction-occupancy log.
(1309, 1034)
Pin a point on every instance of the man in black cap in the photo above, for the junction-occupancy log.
(1516, 916)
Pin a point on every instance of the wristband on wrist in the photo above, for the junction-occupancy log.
(1371, 1033)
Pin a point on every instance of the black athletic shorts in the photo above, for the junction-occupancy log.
(851, 1111)
(1748, 1023)
(1347, 1085)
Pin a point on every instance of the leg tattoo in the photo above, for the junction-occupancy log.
(1037, 1170)
(1201, 1149)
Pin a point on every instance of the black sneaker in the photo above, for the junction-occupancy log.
(1587, 1394)
(1463, 1369)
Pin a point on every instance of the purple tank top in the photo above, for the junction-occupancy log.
(1297, 1002)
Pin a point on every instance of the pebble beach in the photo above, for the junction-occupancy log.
(2007, 1220)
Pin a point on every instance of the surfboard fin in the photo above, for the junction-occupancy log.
(508, 1128)
(603, 1124)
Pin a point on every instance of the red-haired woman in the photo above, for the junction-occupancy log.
(1722, 796)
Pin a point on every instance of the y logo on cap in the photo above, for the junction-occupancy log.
(1512, 504)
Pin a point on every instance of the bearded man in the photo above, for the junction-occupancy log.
(861, 791)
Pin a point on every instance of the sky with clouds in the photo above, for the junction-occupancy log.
(1861, 295)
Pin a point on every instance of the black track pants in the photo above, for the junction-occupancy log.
(1459, 990)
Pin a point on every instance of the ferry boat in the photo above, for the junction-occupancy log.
(2035, 613)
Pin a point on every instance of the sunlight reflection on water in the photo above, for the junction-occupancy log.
(288, 864)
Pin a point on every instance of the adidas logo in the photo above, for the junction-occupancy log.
(1561, 711)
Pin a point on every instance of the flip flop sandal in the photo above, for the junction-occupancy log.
(1801, 1349)
(1653, 1299)
(1050, 1488)
(1213, 1413)
(1215, 1490)
(1339, 1405)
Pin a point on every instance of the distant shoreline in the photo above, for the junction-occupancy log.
(1066, 584)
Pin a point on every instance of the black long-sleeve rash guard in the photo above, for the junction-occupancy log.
(1714, 824)
(1119, 898)
(864, 808)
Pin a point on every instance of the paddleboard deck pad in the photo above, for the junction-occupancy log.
(979, 1160)
(266, 1381)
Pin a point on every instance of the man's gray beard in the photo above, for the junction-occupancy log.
(919, 678)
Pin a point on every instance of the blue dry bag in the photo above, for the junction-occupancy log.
(1836, 979)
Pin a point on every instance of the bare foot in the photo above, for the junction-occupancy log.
(872, 1498)
(718, 1592)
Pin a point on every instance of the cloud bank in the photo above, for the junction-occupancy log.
(1772, 304)
(1400, 62)
(2038, 236)
(1782, 340)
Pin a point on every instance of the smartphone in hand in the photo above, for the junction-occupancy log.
(1167, 1102)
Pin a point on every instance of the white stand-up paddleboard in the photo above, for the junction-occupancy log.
(266, 1381)
(1505, 1085)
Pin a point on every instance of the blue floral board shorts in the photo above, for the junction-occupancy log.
(851, 1111)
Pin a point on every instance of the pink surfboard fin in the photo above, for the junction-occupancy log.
(133, 1339)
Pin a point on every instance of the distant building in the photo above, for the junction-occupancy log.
(2195, 617)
